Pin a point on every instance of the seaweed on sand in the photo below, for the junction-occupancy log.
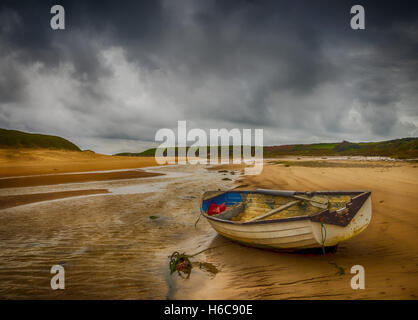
(180, 262)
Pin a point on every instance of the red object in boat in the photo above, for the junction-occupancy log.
(216, 209)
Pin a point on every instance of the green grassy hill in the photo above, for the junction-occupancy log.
(19, 139)
(405, 148)
(399, 148)
(151, 152)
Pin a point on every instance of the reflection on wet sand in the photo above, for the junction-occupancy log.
(111, 246)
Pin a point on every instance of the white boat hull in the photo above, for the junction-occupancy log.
(295, 235)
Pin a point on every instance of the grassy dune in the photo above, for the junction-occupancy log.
(400, 148)
(19, 139)
(404, 148)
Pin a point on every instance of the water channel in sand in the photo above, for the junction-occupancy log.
(113, 245)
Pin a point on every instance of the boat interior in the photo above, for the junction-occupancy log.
(247, 206)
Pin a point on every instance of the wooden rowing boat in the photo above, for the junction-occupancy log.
(289, 220)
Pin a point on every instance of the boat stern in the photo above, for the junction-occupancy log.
(330, 234)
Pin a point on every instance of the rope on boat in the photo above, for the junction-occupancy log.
(195, 224)
(323, 237)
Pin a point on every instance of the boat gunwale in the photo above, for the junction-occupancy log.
(316, 217)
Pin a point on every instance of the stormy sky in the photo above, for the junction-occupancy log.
(122, 70)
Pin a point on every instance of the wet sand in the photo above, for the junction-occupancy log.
(42, 180)
(22, 199)
(113, 246)
(116, 245)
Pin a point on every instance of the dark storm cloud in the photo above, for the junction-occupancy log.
(294, 68)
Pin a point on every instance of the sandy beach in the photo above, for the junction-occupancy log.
(387, 248)
(108, 111)
(26, 161)
(114, 236)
